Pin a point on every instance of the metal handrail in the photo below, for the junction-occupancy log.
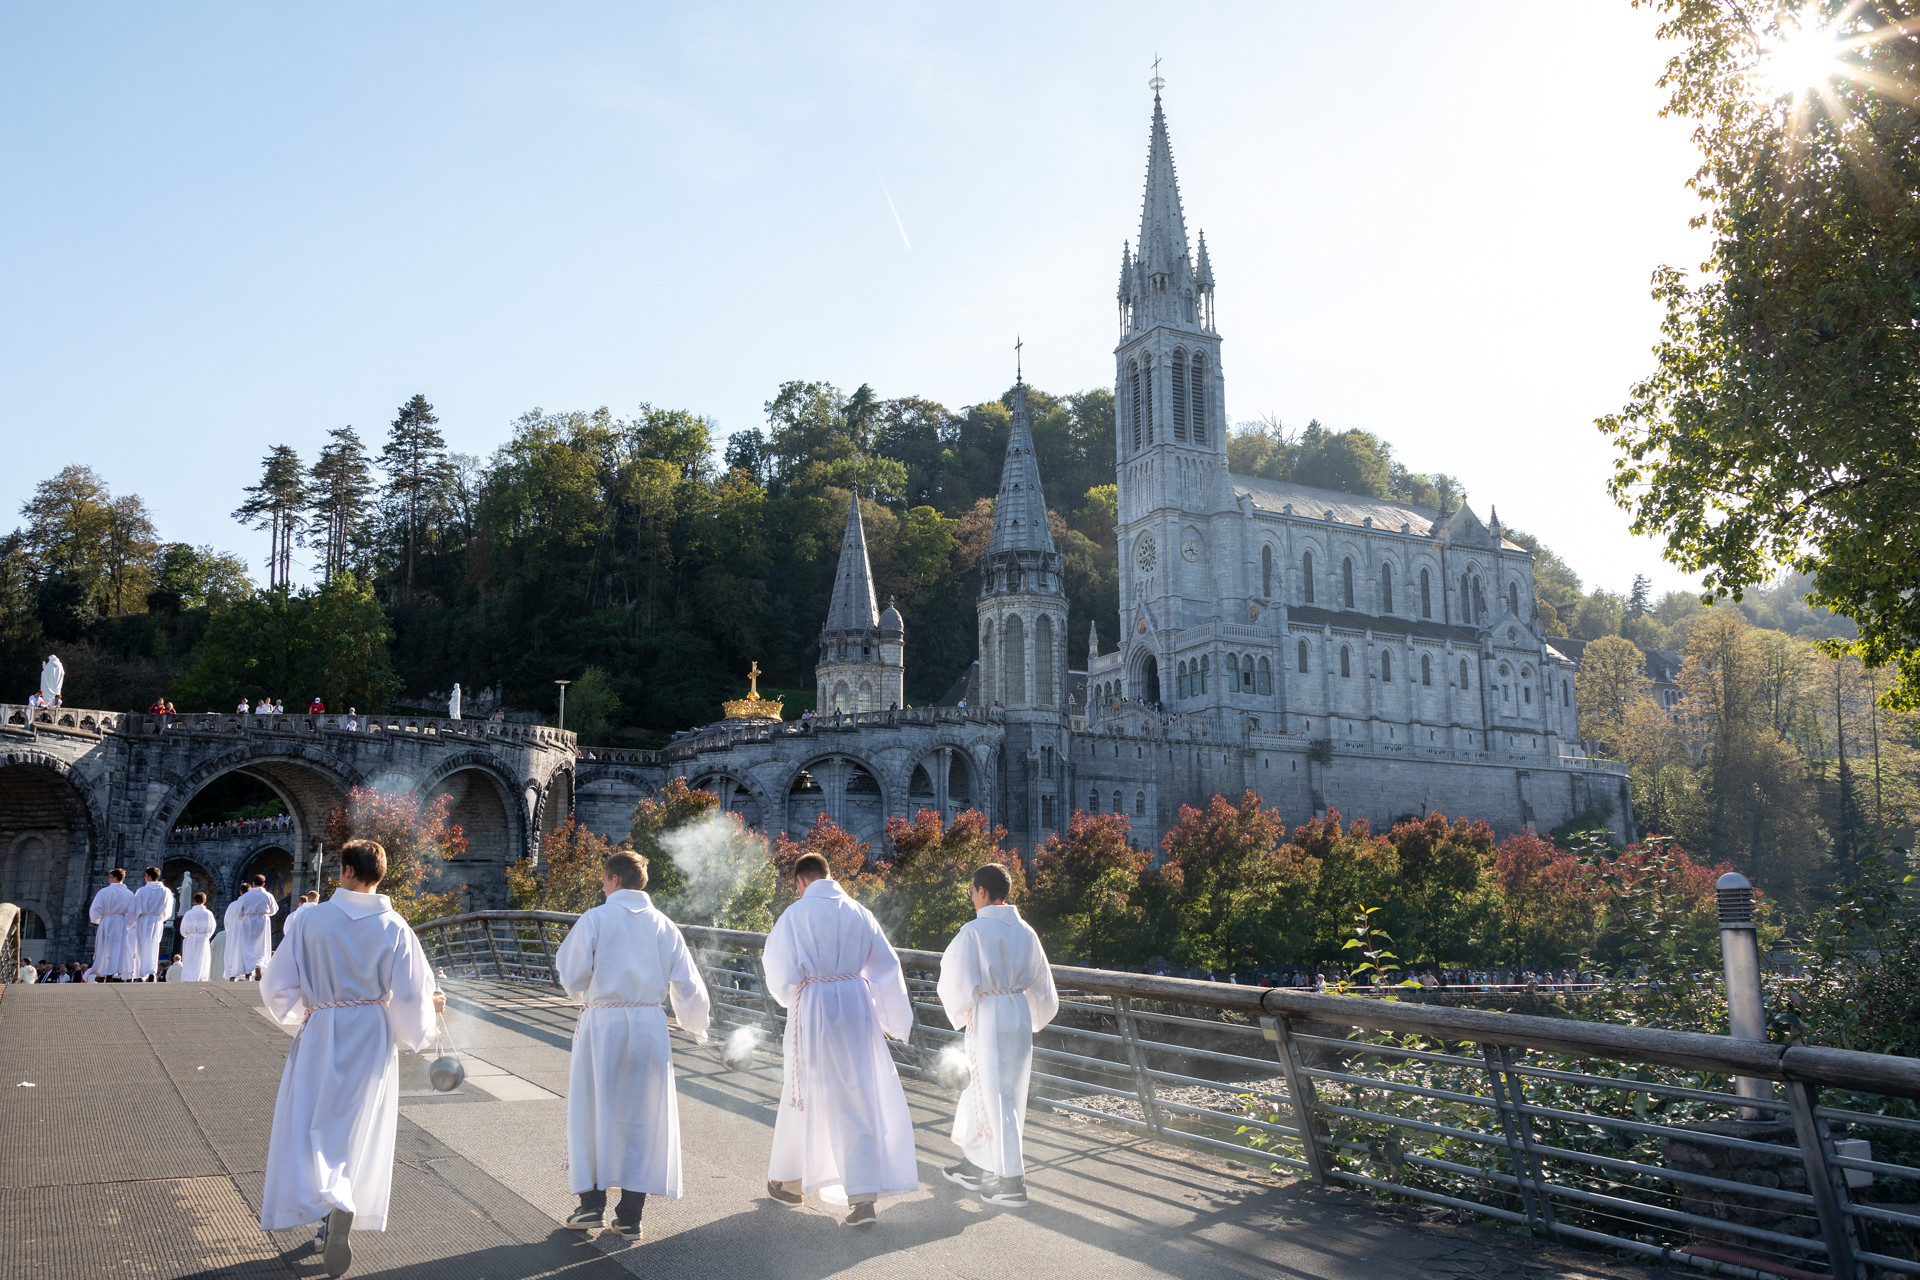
(1559, 1126)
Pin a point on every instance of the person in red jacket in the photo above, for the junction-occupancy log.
(318, 708)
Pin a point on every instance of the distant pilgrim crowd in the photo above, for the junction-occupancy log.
(352, 978)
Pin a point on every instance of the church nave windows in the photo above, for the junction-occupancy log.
(1306, 575)
(1093, 802)
(1266, 572)
(1119, 805)
(1513, 598)
(1133, 398)
(1140, 803)
(1179, 394)
(1264, 683)
(1463, 673)
(1303, 657)
(1386, 665)
(1346, 582)
(1426, 669)
(1426, 595)
(1346, 661)
(1386, 587)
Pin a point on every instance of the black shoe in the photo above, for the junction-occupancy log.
(1008, 1193)
(626, 1218)
(585, 1219)
(626, 1230)
(339, 1251)
(966, 1174)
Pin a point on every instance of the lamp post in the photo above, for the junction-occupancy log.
(1740, 954)
(563, 702)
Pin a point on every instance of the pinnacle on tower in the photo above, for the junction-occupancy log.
(1205, 278)
(1020, 515)
(854, 604)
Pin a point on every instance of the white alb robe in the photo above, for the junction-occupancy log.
(257, 909)
(996, 986)
(152, 908)
(626, 960)
(842, 1127)
(331, 1145)
(112, 915)
(196, 944)
(228, 941)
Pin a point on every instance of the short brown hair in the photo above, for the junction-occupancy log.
(153, 873)
(118, 873)
(811, 866)
(260, 882)
(628, 867)
(199, 899)
(994, 881)
(367, 859)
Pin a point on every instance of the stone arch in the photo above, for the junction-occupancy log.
(310, 785)
(845, 787)
(51, 850)
(483, 802)
(1143, 675)
(736, 795)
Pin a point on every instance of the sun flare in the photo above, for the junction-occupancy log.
(1804, 56)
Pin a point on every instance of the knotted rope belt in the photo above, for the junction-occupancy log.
(341, 1004)
(982, 1128)
(624, 1004)
(798, 1094)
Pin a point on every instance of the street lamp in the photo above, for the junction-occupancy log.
(563, 701)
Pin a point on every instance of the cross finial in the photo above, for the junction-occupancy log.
(1156, 84)
(753, 680)
(1017, 344)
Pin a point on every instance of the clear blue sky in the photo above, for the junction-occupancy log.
(233, 226)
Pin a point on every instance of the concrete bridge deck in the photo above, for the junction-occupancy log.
(133, 1135)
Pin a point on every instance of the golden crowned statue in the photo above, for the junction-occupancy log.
(753, 706)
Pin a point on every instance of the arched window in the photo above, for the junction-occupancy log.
(1303, 657)
(1566, 699)
(866, 695)
(1426, 669)
(1133, 400)
(1205, 670)
(1119, 805)
(1513, 598)
(1013, 662)
(1426, 595)
(1148, 381)
(1265, 684)
(1479, 601)
(1466, 599)
(1198, 391)
(1140, 802)
(1233, 673)
(1386, 587)
(1043, 661)
(1386, 665)
(1306, 574)
(1093, 802)
(1179, 394)
(1526, 694)
(1266, 572)
(1180, 682)
(1346, 661)
(988, 652)
(1346, 581)
(1463, 673)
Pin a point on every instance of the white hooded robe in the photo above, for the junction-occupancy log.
(112, 914)
(152, 908)
(625, 960)
(996, 986)
(842, 1127)
(331, 1145)
(196, 944)
(257, 908)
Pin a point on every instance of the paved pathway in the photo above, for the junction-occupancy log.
(133, 1133)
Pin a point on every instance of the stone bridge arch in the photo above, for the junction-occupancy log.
(493, 815)
(50, 824)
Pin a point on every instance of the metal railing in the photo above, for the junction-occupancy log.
(11, 920)
(1626, 1138)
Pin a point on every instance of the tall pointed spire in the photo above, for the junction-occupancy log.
(1020, 514)
(854, 604)
(1163, 225)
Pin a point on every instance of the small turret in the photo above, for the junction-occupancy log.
(862, 664)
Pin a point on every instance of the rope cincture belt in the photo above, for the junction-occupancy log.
(342, 1004)
(624, 1004)
(798, 1095)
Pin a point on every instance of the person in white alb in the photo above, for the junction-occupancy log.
(257, 909)
(996, 986)
(842, 1130)
(625, 960)
(112, 916)
(352, 976)
(152, 908)
(196, 939)
(228, 943)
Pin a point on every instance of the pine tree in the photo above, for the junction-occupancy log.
(1640, 598)
(278, 504)
(413, 459)
(342, 492)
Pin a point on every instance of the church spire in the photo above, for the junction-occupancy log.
(854, 604)
(1161, 255)
(1020, 514)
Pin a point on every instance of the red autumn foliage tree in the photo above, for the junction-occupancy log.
(1087, 895)
(420, 839)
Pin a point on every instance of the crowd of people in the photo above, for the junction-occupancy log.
(353, 979)
(230, 829)
(1333, 977)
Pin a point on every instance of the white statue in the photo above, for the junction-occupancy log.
(453, 703)
(52, 676)
(184, 898)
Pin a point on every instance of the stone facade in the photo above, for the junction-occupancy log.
(85, 791)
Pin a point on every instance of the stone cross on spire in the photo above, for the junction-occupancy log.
(1020, 513)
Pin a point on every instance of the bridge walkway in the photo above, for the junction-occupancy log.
(133, 1134)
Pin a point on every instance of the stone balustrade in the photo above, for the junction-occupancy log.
(19, 717)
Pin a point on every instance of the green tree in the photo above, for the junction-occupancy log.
(1238, 890)
(341, 494)
(331, 642)
(1777, 429)
(191, 577)
(593, 702)
(570, 875)
(414, 459)
(677, 806)
(278, 504)
(927, 897)
(420, 840)
(1087, 901)
(1611, 678)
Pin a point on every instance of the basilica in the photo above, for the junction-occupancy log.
(1324, 650)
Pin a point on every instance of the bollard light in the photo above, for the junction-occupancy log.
(1740, 956)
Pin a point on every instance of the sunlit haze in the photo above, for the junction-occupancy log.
(230, 227)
